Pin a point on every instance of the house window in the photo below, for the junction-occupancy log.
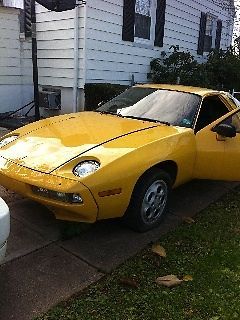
(143, 19)
(209, 33)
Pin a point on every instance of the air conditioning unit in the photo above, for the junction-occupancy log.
(50, 100)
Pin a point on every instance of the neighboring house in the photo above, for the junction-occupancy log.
(15, 61)
(113, 41)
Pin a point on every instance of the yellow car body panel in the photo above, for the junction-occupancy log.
(17, 172)
(46, 152)
(20, 179)
(60, 143)
(217, 158)
(124, 160)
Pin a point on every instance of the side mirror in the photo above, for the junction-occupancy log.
(225, 130)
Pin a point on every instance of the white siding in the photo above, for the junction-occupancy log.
(103, 56)
(109, 59)
(55, 36)
(184, 16)
(14, 54)
(15, 63)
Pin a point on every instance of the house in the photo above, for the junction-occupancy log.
(113, 41)
(15, 60)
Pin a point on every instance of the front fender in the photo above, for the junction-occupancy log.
(123, 162)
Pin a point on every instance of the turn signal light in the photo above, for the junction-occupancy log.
(112, 192)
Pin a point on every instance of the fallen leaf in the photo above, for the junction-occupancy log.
(187, 278)
(159, 250)
(169, 281)
(188, 220)
(129, 282)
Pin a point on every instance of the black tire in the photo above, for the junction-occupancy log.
(149, 201)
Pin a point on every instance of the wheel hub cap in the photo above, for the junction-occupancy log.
(154, 201)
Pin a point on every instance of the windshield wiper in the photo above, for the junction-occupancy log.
(134, 117)
(148, 119)
(109, 112)
(104, 112)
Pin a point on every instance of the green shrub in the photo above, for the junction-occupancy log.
(99, 92)
(220, 71)
(178, 64)
(223, 69)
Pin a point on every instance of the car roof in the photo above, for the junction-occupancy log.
(195, 90)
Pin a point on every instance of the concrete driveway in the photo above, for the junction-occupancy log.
(41, 269)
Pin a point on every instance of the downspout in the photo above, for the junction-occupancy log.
(84, 48)
(82, 5)
(76, 60)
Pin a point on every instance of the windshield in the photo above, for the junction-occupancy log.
(173, 107)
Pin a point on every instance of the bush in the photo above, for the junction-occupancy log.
(223, 68)
(98, 92)
(178, 64)
(221, 71)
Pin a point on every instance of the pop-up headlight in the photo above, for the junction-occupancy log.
(86, 168)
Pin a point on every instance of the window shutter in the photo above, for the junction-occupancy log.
(160, 22)
(27, 18)
(128, 20)
(202, 31)
(218, 34)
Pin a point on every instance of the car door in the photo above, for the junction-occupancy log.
(231, 158)
(217, 157)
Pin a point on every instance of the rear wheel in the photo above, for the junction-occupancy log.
(149, 201)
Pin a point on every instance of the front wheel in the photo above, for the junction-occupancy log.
(149, 200)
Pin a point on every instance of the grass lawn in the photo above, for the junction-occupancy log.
(208, 250)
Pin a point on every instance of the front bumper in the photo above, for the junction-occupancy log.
(21, 179)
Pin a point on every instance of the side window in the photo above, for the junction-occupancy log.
(233, 120)
(212, 108)
(234, 99)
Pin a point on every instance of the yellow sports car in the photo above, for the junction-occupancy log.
(124, 158)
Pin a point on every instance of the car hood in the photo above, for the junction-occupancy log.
(47, 144)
